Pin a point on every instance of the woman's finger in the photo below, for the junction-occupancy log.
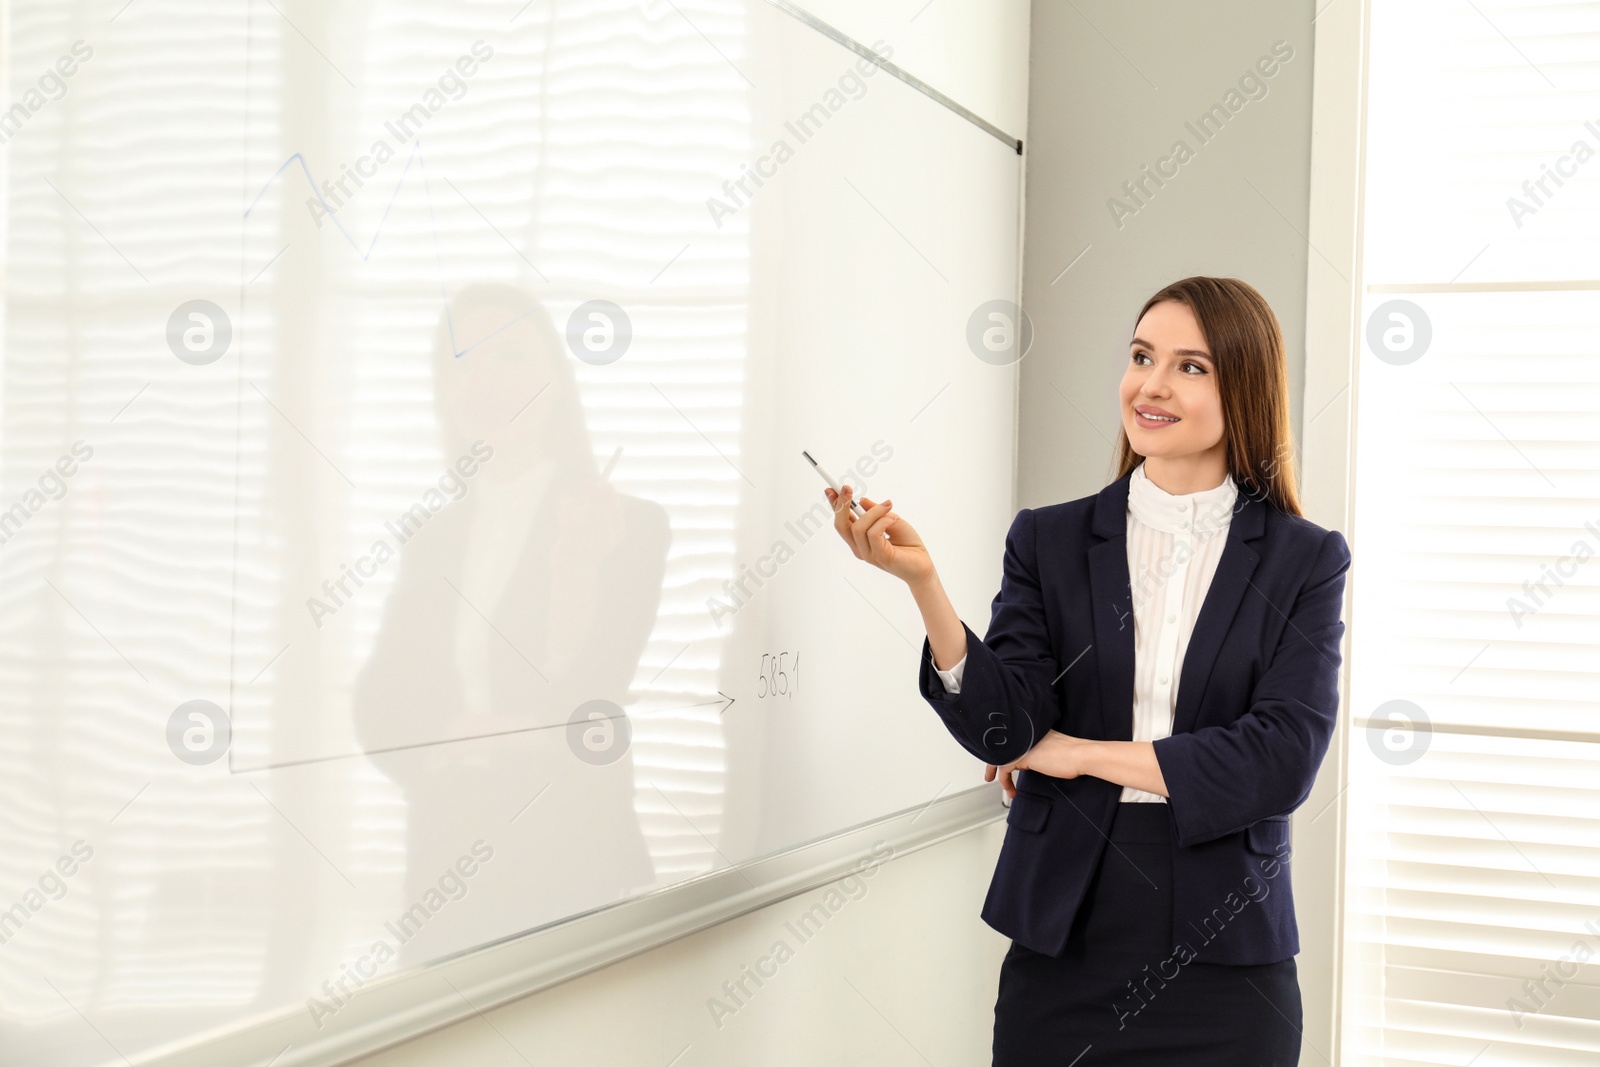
(858, 528)
(863, 528)
(842, 519)
(877, 533)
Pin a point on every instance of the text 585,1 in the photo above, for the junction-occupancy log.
(780, 675)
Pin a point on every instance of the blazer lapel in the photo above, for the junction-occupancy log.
(1222, 599)
(1111, 599)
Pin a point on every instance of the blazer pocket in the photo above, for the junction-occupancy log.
(1267, 836)
(1028, 812)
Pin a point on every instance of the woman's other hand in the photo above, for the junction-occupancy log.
(901, 553)
(1008, 784)
(1058, 755)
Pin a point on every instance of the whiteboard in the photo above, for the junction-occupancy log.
(410, 544)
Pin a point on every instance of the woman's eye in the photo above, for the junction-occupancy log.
(1188, 365)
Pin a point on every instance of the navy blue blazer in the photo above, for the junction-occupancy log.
(1257, 697)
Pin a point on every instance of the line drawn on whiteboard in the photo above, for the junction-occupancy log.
(417, 157)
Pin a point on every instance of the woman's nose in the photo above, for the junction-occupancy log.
(1160, 379)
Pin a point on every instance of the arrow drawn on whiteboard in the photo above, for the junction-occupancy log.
(726, 702)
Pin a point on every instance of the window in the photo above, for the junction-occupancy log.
(1472, 881)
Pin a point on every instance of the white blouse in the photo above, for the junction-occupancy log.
(1174, 544)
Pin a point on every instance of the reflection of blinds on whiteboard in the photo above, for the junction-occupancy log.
(572, 154)
(115, 599)
(566, 166)
(1473, 885)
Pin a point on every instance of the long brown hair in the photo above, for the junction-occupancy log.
(1253, 379)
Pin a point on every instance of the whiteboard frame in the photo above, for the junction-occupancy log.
(405, 1006)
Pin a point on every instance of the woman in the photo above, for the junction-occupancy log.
(1160, 675)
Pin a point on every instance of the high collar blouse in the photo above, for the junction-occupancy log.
(1175, 541)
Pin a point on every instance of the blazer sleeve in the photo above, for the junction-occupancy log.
(1221, 779)
(1006, 701)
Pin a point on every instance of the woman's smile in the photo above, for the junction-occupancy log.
(1153, 418)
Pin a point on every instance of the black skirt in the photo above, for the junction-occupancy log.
(1122, 994)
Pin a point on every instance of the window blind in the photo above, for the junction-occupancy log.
(1472, 903)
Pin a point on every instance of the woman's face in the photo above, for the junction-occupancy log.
(1170, 403)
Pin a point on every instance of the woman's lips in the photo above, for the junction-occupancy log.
(1153, 424)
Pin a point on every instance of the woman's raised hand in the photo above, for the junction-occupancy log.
(901, 553)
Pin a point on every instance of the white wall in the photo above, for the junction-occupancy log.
(1113, 84)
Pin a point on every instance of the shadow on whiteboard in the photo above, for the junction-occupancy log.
(524, 602)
